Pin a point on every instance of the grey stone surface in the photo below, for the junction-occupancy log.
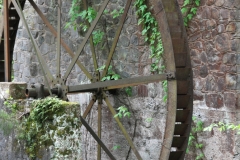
(131, 59)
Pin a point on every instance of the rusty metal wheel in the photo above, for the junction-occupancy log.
(178, 73)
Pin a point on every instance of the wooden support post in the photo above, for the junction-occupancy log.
(6, 43)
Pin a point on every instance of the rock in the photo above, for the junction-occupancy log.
(197, 95)
(15, 90)
(219, 2)
(214, 100)
(230, 100)
(231, 81)
(210, 2)
(229, 59)
(206, 13)
(124, 41)
(203, 71)
(231, 27)
(222, 42)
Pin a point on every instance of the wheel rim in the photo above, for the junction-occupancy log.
(162, 12)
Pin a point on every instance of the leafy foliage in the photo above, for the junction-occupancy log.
(33, 126)
(150, 119)
(1, 4)
(151, 33)
(111, 75)
(128, 90)
(189, 10)
(75, 13)
(197, 127)
(165, 88)
(223, 127)
(152, 37)
(123, 112)
(116, 147)
(116, 13)
(97, 37)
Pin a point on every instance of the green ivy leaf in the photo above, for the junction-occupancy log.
(184, 10)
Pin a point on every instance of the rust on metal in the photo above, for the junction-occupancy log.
(6, 43)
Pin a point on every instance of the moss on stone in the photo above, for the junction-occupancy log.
(50, 121)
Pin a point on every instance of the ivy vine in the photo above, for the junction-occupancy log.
(1, 4)
(193, 143)
(189, 10)
(151, 33)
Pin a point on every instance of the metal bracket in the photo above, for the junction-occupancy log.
(170, 75)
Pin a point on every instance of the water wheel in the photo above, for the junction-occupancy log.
(176, 58)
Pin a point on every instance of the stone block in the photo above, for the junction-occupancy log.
(230, 100)
(15, 90)
(231, 27)
(231, 81)
(197, 95)
(206, 13)
(215, 13)
(222, 42)
(229, 59)
(210, 2)
(235, 45)
(203, 71)
(214, 100)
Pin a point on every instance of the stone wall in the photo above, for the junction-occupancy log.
(131, 59)
(213, 36)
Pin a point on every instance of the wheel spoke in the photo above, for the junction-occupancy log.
(114, 44)
(97, 138)
(99, 126)
(130, 142)
(6, 43)
(89, 107)
(53, 31)
(37, 50)
(115, 84)
(94, 23)
(59, 39)
(91, 41)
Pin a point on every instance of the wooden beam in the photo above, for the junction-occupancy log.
(6, 43)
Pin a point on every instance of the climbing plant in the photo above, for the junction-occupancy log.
(1, 4)
(151, 33)
(193, 143)
(221, 126)
(189, 10)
